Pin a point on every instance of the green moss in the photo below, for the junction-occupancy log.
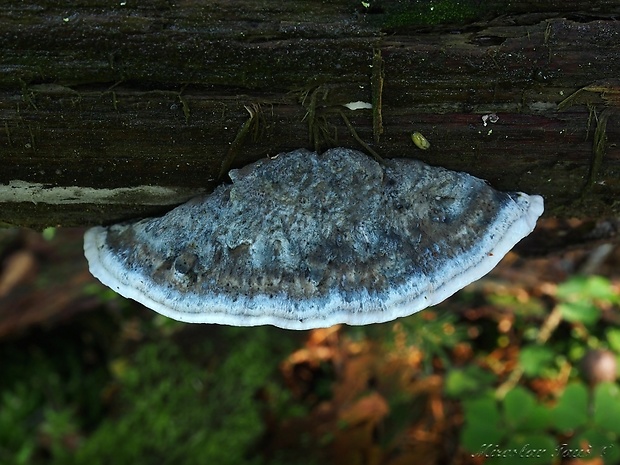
(175, 410)
(193, 398)
(430, 13)
(49, 388)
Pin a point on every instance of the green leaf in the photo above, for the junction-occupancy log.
(586, 288)
(571, 411)
(610, 452)
(538, 419)
(534, 359)
(518, 405)
(469, 380)
(580, 312)
(599, 287)
(607, 407)
(482, 424)
(613, 338)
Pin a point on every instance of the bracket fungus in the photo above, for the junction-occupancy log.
(307, 241)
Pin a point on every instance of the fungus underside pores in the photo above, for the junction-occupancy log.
(305, 241)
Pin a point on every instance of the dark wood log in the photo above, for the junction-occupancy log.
(106, 98)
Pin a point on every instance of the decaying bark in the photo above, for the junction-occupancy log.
(154, 103)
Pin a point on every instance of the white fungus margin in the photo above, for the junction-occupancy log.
(306, 241)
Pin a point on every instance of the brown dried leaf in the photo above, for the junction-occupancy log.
(371, 408)
(18, 267)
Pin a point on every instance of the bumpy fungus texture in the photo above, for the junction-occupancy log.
(306, 241)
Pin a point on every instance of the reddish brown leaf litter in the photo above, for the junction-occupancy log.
(363, 378)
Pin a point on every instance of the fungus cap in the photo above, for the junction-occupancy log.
(306, 241)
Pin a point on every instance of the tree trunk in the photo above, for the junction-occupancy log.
(113, 110)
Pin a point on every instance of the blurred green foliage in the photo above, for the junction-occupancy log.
(581, 298)
(188, 402)
(516, 423)
(582, 422)
(537, 359)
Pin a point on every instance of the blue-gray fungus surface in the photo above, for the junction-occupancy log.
(306, 241)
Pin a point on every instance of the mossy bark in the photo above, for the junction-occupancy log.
(116, 95)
